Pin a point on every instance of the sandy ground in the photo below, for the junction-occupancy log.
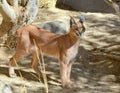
(95, 70)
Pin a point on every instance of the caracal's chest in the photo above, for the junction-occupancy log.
(72, 51)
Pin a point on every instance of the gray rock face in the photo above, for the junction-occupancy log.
(58, 27)
(86, 5)
(4, 88)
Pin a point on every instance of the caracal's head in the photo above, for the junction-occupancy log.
(77, 27)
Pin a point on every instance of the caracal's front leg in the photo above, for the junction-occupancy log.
(69, 67)
(63, 74)
(65, 71)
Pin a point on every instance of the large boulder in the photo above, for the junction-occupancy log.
(59, 27)
(85, 5)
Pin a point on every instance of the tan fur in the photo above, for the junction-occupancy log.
(64, 47)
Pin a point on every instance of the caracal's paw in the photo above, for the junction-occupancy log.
(12, 75)
(12, 72)
(69, 84)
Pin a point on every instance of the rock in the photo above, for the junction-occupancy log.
(4, 88)
(86, 5)
(59, 27)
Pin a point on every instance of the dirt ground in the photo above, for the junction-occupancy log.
(97, 66)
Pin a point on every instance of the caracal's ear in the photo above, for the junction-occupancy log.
(82, 19)
(72, 21)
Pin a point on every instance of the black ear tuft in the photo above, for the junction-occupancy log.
(82, 19)
(72, 21)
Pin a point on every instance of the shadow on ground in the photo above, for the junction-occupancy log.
(96, 68)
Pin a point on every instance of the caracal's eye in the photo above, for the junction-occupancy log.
(76, 28)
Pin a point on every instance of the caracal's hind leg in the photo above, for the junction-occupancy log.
(35, 62)
(13, 61)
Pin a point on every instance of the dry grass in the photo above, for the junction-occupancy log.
(47, 3)
(42, 68)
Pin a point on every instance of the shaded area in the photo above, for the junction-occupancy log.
(93, 71)
(85, 5)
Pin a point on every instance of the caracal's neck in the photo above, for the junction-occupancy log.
(74, 38)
